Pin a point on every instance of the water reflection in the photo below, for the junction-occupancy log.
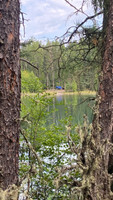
(59, 98)
(71, 105)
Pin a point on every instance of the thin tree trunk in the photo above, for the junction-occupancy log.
(53, 77)
(9, 92)
(52, 69)
(47, 80)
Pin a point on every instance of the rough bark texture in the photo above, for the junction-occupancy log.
(100, 174)
(9, 92)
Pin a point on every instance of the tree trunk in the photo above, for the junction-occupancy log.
(9, 92)
(47, 80)
(99, 174)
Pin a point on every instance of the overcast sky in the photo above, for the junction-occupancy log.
(50, 18)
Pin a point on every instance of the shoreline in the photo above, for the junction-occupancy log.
(62, 92)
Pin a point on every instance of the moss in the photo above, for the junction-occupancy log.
(10, 194)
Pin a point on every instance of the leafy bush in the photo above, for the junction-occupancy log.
(50, 144)
(74, 86)
(30, 82)
(71, 86)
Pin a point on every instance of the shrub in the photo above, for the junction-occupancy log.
(30, 82)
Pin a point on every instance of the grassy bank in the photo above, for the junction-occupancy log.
(63, 92)
(57, 92)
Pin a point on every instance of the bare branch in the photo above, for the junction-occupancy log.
(33, 151)
(22, 15)
(24, 60)
(77, 10)
(80, 25)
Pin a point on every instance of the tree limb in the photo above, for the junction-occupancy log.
(88, 18)
(24, 60)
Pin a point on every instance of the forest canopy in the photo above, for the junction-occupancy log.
(74, 66)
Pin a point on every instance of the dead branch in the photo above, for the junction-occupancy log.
(77, 10)
(22, 16)
(34, 152)
(80, 25)
(24, 60)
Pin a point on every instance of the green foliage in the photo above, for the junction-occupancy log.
(74, 86)
(29, 82)
(64, 65)
(71, 86)
(50, 143)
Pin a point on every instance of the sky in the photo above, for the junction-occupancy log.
(47, 19)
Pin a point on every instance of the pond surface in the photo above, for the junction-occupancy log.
(72, 105)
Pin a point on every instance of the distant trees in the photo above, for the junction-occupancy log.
(63, 65)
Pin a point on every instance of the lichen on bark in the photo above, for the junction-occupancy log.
(10, 194)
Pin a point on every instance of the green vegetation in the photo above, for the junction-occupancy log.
(75, 66)
(47, 141)
(30, 82)
(47, 155)
(50, 151)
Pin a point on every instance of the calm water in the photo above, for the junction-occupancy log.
(71, 105)
(64, 106)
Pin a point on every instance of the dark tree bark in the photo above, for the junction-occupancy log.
(9, 92)
(100, 175)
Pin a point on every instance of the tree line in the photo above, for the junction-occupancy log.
(74, 66)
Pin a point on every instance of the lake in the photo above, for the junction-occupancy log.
(72, 105)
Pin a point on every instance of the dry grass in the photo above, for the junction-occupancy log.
(62, 92)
